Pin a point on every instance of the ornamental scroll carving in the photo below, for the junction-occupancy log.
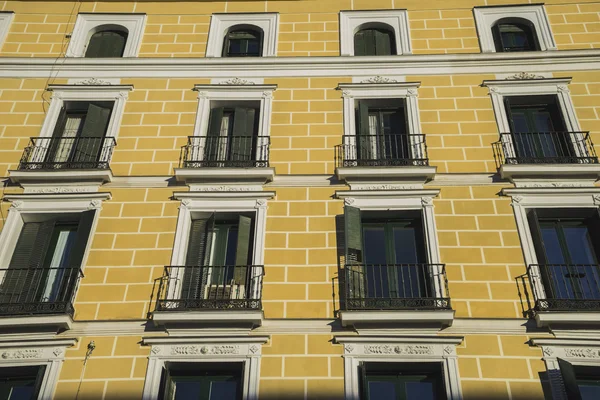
(222, 189)
(412, 350)
(582, 352)
(387, 187)
(188, 350)
(237, 81)
(21, 354)
(524, 75)
(93, 82)
(379, 79)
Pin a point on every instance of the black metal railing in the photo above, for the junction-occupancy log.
(26, 291)
(210, 288)
(225, 151)
(565, 287)
(68, 153)
(382, 150)
(545, 148)
(395, 287)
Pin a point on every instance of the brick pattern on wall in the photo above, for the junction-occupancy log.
(575, 26)
(443, 31)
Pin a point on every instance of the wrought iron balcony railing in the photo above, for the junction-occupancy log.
(565, 287)
(59, 153)
(225, 151)
(382, 151)
(194, 288)
(396, 287)
(29, 291)
(545, 148)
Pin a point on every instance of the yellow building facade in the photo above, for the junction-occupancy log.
(408, 207)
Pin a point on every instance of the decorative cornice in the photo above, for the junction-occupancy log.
(236, 81)
(524, 75)
(379, 79)
(93, 81)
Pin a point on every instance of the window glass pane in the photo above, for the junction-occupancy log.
(405, 245)
(579, 245)
(554, 253)
(223, 390)
(589, 392)
(232, 237)
(58, 261)
(374, 245)
(24, 391)
(187, 390)
(382, 390)
(420, 390)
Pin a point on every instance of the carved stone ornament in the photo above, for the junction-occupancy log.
(553, 184)
(95, 204)
(524, 75)
(348, 201)
(379, 79)
(346, 93)
(427, 201)
(517, 199)
(596, 198)
(563, 88)
(60, 189)
(202, 95)
(186, 202)
(237, 81)
(254, 349)
(547, 351)
(93, 81)
(412, 92)
(386, 187)
(21, 354)
(222, 189)
(260, 203)
(582, 352)
(448, 350)
(267, 94)
(187, 350)
(156, 350)
(405, 350)
(16, 204)
(348, 348)
(57, 351)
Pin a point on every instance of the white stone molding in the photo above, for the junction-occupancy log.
(486, 17)
(5, 21)
(246, 350)
(39, 207)
(352, 21)
(400, 349)
(234, 92)
(575, 351)
(524, 199)
(221, 23)
(30, 353)
(88, 24)
(83, 92)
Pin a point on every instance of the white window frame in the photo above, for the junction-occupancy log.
(409, 350)
(88, 24)
(48, 353)
(210, 202)
(552, 197)
(532, 87)
(352, 21)
(221, 23)
(582, 352)
(96, 91)
(486, 17)
(6, 18)
(229, 349)
(352, 92)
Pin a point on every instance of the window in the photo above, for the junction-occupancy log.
(242, 35)
(203, 381)
(566, 243)
(580, 382)
(514, 35)
(513, 28)
(106, 43)
(403, 381)
(5, 21)
(98, 35)
(243, 42)
(45, 265)
(21, 383)
(374, 42)
(374, 33)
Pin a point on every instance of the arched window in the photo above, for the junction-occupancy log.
(243, 42)
(374, 42)
(106, 43)
(514, 34)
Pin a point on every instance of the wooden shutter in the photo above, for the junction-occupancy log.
(536, 236)
(383, 45)
(106, 44)
(94, 128)
(34, 284)
(569, 379)
(509, 115)
(212, 144)
(353, 232)
(242, 252)
(197, 257)
(359, 44)
(243, 133)
(497, 38)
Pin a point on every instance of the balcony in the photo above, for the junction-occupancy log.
(45, 295)
(210, 294)
(65, 159)
(210, 159)
(383, 158)
(546, 155)
(565, 294)
(395, 293)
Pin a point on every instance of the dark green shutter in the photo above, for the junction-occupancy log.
(509, 116)
(242, 252)
(211, 147)
(353, 232)
(569, 379)
(106, 44)
(359, 44)
(497, 38)
(243, 133)
(197, 257)
(383, 45)
(536, 236)
(34, 284)
(90, 145)
(364, 148)
(55, 144)
(400, 146)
